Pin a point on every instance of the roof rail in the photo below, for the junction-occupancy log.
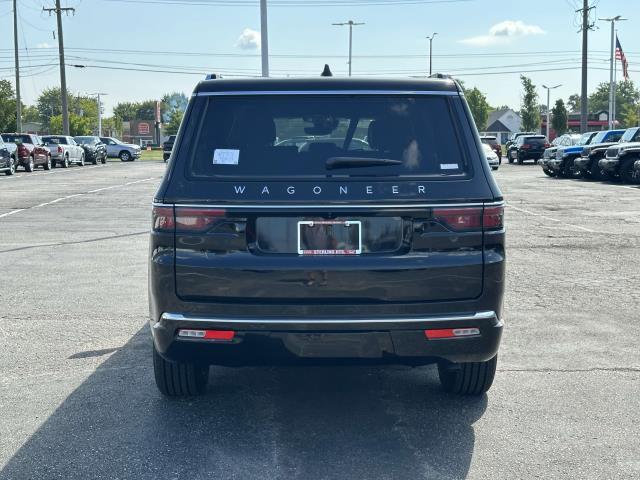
(446, 76)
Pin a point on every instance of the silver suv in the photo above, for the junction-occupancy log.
(127, 152)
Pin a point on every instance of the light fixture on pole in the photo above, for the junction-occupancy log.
(548, 104)
(431, 50)
(351, 24)
(612, 99)
(99, 110)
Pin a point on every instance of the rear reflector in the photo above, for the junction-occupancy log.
(207, 334)
(451, 333)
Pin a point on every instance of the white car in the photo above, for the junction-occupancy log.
(126, 152)
(64, 150)
(492, 158)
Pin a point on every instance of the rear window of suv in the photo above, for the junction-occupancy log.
(301, 135)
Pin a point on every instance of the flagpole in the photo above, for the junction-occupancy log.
(612, 20)
(613, 88)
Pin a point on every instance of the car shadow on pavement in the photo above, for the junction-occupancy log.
(285, 422)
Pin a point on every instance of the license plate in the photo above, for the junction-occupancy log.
(329, 237)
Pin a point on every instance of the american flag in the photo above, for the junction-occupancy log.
(620, 56)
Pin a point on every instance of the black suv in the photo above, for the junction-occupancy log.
(528, 147)
(167, 147)
(265, 253)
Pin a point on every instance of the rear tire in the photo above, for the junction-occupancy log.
(125, 156)
(81, 160)
(179, 379)
(47, 165)
(31, 166)
(472, 378)
(12, 167)
(548, 172)
(626, 171)
(65, 162)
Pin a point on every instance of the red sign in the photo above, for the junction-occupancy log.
(143, 128)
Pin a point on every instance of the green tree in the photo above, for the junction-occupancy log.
(479, 107)
(574, 102)
(125, 111)
(77, 125)
(146, 110)
(112, 126)
(172, 102)
(626, 94)
(559, 117)
(529, 110)
(30, 113)
(174, 122)
(630, 116)
(7, 107)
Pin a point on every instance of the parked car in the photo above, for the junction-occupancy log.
(126, 152)
(550, 153)
(492, 158)
(167, 147)
(620, 158)
(587, 164)
(563, 163)
(493, 143)
(30, 150)
(514, 136)
(7, 162)
(94, 150)
(265, 254)
(64, 150)
(527, 147)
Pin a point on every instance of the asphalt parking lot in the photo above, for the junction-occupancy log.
(78, 399)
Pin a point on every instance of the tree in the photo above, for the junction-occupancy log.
(112, 126)
(626, 94)
(172, 102)
(30, 114)
(125, 111)
(529, 110)
(559, 117)
(174, 122)
(77, 125)
(574, 102)
(630, 116)
(478, 106)
(7, 107)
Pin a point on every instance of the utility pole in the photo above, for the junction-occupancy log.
(612, 68)
(586, 26)
(17, 58)
(351, 24)
(549, 105)
(63, 77)
(99, 110)
(264, 38)
(431, 50)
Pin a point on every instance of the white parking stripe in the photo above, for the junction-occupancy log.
(529, 212)
(57, 200)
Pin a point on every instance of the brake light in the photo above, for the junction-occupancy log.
(493, 218)
(59, 149)
(474, 218)
(459, 219)
(196, 219)
(163, 219)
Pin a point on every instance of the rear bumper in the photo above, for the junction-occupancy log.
(260, 341)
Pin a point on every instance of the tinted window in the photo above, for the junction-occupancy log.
(630, 135)
(292, 136)
(614, 137)
(86, 140)
(58, 140)
(16, 138)
(533, 140)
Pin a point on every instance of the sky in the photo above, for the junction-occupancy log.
(486, 43)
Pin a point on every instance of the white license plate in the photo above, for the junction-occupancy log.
(329, 237)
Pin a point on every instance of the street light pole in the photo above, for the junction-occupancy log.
(351, 24)
(99, 110)
(431, 50)
(549, 104)
(17, 60)
(612, 60)
(264, 38)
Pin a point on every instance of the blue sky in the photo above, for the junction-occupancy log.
(475, 38)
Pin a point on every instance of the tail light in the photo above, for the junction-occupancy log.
(59, 149)
(190, 219)
(547, 145)
(469, 219)
(22, 150)
(525, 146)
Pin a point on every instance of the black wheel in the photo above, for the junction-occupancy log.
(30, 166)
(12, 167)
(595, 173)
(47, 165)
(179, 379)
(125, 156)
(65, 162)
(520, 160)
(473, 378)
(104, 159)
(626, 171)
(548, 172)
(95, 160)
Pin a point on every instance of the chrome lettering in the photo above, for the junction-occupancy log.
(239, 188)
(317, 190)
(369, 189)
(394, 189)
(291, 190)
(265, 189)
(343, 190)
(421, 189)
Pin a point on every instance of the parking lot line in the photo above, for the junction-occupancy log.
(529, 212)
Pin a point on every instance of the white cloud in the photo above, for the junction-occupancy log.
(503, 32)
(43, 45)
(249, 40)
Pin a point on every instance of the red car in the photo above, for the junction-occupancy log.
(31, 151)
(493, 143)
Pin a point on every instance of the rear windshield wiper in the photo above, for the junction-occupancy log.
(350, 162)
